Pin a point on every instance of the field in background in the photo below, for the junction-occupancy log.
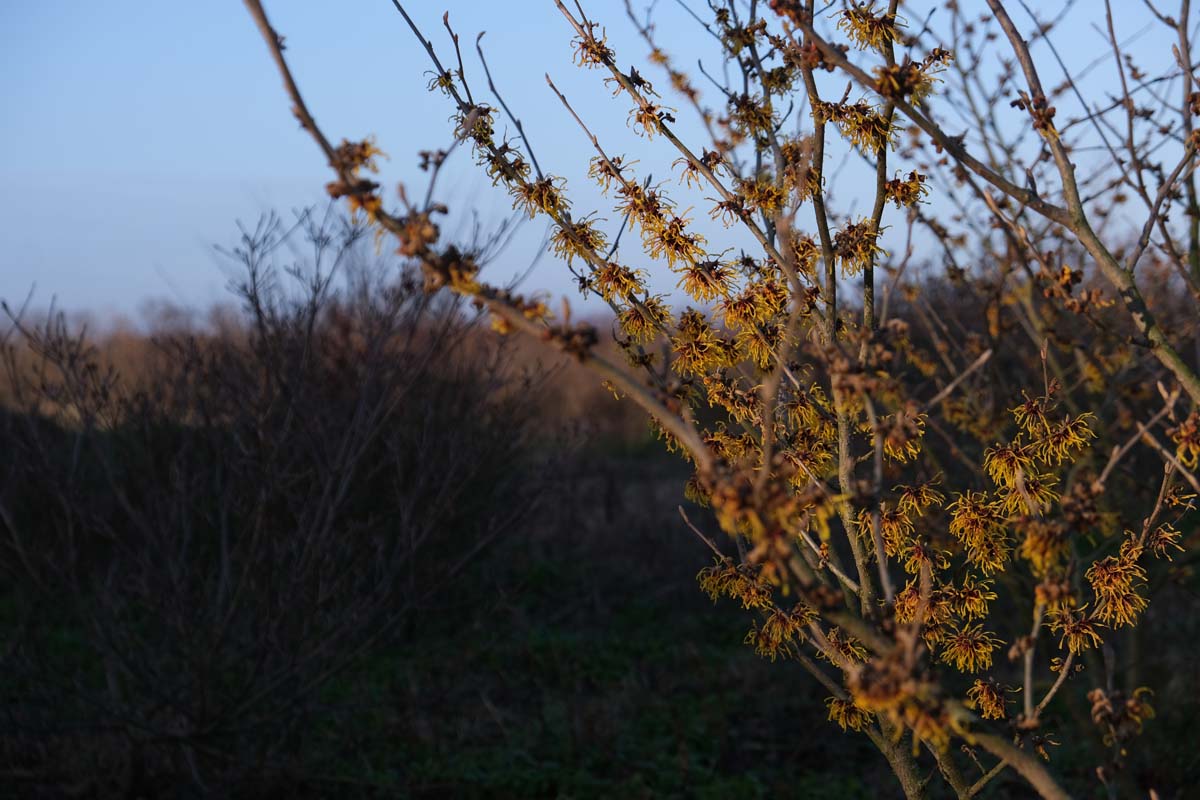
(576, 657)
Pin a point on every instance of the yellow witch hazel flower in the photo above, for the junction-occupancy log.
(970, 600)
(672, 240)
(1030, 494)
(642, 322)
(726, 579)
(1033, 415)
(616, 282)
(779, 630)
(543, 195)
(846, 714)
(902, 434)
(1114, 581)
(1079, 631)
(895, 527)
(696, 346)
(764, 194)
(745, 310)
(860, 123)
(978, 523)
(1064, 441)
(705, 281)
(1046, 546)
(1163, 539)
(855, 246)
(760, 344)
(969, 648)
(1187, 440)
(914, 499)
(868, 28)
(847, 646)
(573, 239)
(1004, 463)
(988, 697)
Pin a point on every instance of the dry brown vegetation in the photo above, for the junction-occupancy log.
(196, 547)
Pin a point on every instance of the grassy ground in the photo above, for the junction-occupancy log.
(584, 662)
(579, 659)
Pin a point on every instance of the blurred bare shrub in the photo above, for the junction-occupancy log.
(191, 555)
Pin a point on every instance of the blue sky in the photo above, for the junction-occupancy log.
(135, 134)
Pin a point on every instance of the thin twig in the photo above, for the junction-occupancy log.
(1062, 677)
(950, 387)
(1168, 456)
(978, 785)
(711, 545)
